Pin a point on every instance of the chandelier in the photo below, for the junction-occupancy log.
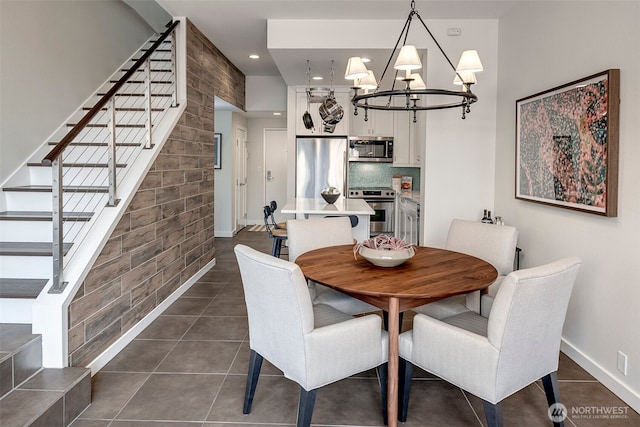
(411, 97)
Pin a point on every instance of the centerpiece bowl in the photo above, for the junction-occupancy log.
(384, 251)
(330, 198)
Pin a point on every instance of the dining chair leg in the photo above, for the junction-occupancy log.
(493, 414)
(382, 370)
(305, 407)
(405, 373)
(274, 248)
(385, 320)
(552, 391)
(255, 364)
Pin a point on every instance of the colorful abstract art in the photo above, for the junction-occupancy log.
(567, 145)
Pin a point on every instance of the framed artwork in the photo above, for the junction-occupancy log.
(217, 140)
(567, 145)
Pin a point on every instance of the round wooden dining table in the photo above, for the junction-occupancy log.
(431, 274)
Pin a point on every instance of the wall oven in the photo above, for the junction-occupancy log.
(382, 201)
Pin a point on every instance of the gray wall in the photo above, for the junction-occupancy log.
(55, 54)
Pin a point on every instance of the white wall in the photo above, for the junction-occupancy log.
(226, 123)
(542, 46)
(54, 55)
(265, 93)
(255, 165)
(458, 177)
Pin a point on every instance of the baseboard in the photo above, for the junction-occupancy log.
(223, 234)
(629, 396)
(115, 348)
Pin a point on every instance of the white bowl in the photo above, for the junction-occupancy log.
(386, 258)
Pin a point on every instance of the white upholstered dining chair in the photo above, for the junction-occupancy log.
(497, 356)
(308, 234)
(313, 345)
(494, 244)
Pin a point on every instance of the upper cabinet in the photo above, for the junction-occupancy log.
(408, 138)
(342, 128)
(378, 123)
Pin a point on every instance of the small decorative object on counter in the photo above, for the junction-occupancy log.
(384, 251)
(499, 220)
(486, 217)
(407, 183)
(330, 194)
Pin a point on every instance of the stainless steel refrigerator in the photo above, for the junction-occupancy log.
(321, 162)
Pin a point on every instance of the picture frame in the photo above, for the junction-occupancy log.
(217, 141)
(567, 145)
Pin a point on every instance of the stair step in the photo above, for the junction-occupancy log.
(78, 165)
(153, 71)
(137, 94)
(158, 49)
(21, 288)
(69, 189)
(101, 144)
(126, 109)
(141, 82)
(155, 59)
(20, 356)
(105, 125)
(32, 396)
(30, 248)
(43, 216)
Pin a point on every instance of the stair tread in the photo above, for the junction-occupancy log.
(21, 288)
(30, 248)
(23, 407)
(14, 337)
(55, 379)
(78, 165)
(66, 189)
(153, 71)
(101, 144)
(43, 216)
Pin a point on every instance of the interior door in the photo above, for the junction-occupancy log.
(241, 179)
(275, 169)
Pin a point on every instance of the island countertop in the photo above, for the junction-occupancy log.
(342, 206)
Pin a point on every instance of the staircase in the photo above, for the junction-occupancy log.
(100, 166)
(26, 222)
(31, 395)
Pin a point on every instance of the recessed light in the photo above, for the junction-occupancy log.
(277, 114)
(317, 77)
(365, 60)
(254, 56)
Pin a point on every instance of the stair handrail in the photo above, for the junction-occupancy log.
(66, 140)
(54, 157)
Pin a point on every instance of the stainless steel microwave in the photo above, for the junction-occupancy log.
(370, 149)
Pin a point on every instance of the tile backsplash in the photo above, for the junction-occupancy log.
(371, 174)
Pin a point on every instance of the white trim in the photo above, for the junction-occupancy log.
(115, 348)
(224, 234)
(623, 391)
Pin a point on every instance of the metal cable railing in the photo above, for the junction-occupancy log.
(91, 159)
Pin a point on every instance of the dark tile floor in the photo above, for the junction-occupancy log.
(188, 368)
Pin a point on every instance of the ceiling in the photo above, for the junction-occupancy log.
(239, 28)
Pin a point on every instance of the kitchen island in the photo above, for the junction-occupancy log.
(318, 208)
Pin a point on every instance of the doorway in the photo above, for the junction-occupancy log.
(275, 167)
(241, 180)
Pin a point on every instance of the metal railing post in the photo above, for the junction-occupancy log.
(174, 69)
(147, 102)
(111, 150)
(58, 236)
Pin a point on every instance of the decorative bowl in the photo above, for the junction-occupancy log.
(386, 257)
(330, 198)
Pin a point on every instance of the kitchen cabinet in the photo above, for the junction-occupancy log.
(378, 123)
(408, 138)
(342, 128)
(408, 223)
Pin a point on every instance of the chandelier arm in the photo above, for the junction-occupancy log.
(405, 28)
(437, 44)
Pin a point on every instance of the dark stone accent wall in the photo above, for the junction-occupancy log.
(166, 233)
